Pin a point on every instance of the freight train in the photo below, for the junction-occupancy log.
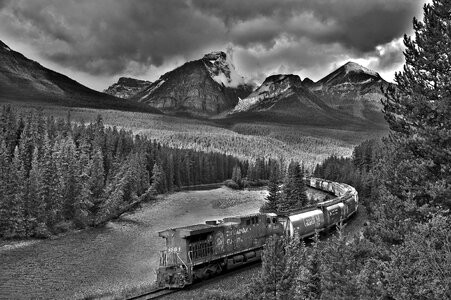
(201, 251)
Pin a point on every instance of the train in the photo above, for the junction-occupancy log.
(200, 251)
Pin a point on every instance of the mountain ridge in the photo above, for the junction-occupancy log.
(354, 89)
(23, 80)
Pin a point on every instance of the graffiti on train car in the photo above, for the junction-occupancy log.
(314, 220)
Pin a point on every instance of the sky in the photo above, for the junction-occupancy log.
(97, 41)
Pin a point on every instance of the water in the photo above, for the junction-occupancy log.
(121, 255)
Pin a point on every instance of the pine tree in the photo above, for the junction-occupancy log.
(418, 111)
(4, 183)
(274, 263)
(15, 222)
(156, 180)
(273, 199)
(37, 204)
(294, 195)
(83, 200)
(97, 176)
(236, 174)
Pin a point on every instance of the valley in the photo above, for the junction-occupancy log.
(208, 106)
(246, 140)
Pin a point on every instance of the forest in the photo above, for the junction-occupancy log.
(247, 141)
(404, 183)
(56, 174)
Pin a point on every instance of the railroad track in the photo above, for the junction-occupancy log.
(160, 293)
(154, 294)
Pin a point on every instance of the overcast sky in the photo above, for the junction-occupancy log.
(97, 41)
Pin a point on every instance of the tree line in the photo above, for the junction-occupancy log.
(56, 174)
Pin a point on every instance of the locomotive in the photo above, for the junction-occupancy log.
(201, 251)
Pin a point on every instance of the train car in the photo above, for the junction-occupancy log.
(200, 251)
(305, 223)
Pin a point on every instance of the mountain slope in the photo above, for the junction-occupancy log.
(204, 87)
(25, 81)
(285, 99)
(354, 89)
(127, 87)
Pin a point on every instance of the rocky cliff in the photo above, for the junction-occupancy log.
(127, 87)
(204, 87)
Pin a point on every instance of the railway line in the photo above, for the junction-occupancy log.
(161, 293)
(198, 252)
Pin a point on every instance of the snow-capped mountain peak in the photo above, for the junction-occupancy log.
(355, 67)
(222, 70)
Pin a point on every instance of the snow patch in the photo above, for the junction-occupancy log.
(151, 89)
(269, 90)
(222, 70)
(354, 67)
(245, 104)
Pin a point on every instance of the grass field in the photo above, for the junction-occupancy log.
(244, 140)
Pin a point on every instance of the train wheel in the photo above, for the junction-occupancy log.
(180, 281)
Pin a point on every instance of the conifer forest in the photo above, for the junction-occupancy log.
(56, 175)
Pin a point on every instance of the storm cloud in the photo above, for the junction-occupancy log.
(113, 37)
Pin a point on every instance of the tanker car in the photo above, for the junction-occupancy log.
(200, 251)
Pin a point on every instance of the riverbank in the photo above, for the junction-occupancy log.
(119, 256)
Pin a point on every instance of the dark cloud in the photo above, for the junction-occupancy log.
(108, 37)
(356, 24)
(104, 36)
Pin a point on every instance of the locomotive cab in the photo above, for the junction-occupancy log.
(183, 246)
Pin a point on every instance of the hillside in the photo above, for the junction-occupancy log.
(27, 82)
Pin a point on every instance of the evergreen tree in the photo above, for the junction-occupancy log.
(48, 192)
(14, 198)
(273, 199)
(97, 180)
(294, 195)
(156, 180)
(4, 183)
(36, 202)
(236, 174)
(270, 284)
(418, 111)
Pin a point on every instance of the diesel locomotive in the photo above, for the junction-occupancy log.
(200, 251)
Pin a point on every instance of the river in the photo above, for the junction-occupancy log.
(121, 255)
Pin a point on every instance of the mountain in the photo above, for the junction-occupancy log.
(127, 87)
(25, 81)
(354, 89)
(202, 88)
(284, 98)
